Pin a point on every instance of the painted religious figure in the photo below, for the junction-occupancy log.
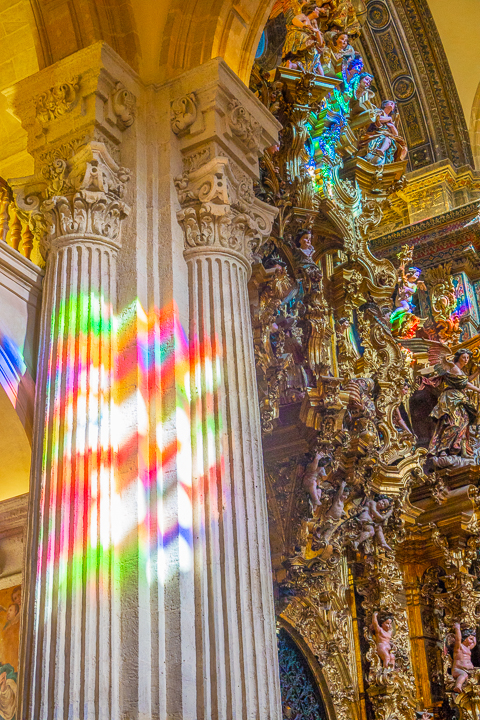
(453, 413)
(382, 144)
(10, 604)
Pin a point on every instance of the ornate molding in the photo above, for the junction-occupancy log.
(183, 112)
(244, 126)
(81, 198)
(220, 210)
(123, 104)
(57, 101)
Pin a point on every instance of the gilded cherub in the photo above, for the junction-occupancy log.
(465, 641)
(334, 513)
(383, 632)
(304, 42)
(372, 519)
(311, 476)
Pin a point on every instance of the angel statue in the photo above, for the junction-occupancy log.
(404, 323)
(453, 413)
(382, 144)
(304, 43)
(338, 52)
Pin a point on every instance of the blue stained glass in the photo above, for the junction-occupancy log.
(301, 698)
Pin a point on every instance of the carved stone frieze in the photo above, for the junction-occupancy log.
(57, 101)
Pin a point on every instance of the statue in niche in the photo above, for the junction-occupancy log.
(465, 641)
(310, 482)
(382, 629)
(453, 413)
(315, 309)
(382, 144)
(304, 43)
(347, 351)
(372, 518)
(401, 415)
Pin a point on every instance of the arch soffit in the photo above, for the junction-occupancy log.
(197, 31)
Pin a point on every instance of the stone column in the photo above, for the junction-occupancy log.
(224, 223)
(69, 667)
(71, 629)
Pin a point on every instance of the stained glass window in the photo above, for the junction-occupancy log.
(300, 696)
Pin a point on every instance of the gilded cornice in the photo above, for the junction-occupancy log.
(463, 218)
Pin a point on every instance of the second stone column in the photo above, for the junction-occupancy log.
(223, 224)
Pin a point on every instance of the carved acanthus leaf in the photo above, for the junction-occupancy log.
(75, 199)
(57, 101)
(244, 126)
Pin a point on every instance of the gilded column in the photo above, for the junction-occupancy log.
(70, 628)
(223, 224)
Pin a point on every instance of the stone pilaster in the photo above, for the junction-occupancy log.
(75, 207)
(221, 130)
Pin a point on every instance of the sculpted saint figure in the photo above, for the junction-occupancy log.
(409, 284)
(337, 53)
(304, 42)
(383, 632)
(453, 412)
(8, 692)
(403, 320)
(372, 519)
(462, 656)
(382, 144)
(310, 480)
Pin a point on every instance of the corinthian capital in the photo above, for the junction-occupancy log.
(76, 199)
(220, 212)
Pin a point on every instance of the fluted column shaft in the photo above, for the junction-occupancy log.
(70, 631)
(237, 667)
(235, 618)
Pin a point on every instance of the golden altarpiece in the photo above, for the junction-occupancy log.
(365, 305)
(366, 367)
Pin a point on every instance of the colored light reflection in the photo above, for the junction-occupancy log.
(14, 376)
(120, 489)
